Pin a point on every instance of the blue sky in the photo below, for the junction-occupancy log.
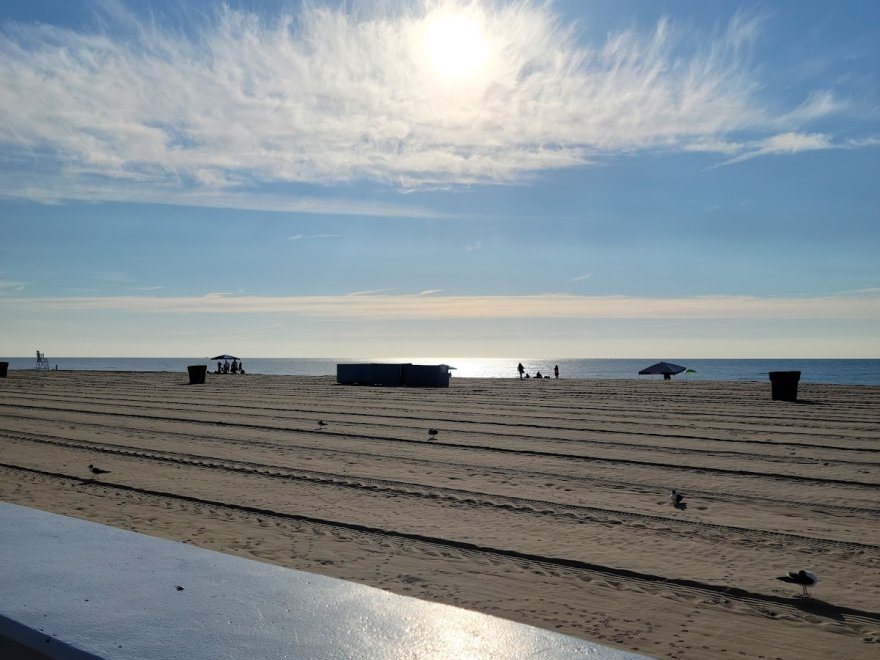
(564, 179)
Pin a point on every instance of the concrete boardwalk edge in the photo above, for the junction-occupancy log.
(76, 589)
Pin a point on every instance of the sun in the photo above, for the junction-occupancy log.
(455, 45)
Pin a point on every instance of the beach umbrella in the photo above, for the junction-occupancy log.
(224, 357)
(665, 368)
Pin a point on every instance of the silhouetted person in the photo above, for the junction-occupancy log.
(235, 366)
(556, 371)
(667, 376)
(521, 370)
(538, 375)
(226, 367)
(219, 367)
(240, 367)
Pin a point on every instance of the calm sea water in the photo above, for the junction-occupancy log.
(848, 372)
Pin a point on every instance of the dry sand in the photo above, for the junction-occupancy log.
(546, 502)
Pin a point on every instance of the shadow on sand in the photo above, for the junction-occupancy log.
(819, 607)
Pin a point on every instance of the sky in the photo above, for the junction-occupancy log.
(579, 178)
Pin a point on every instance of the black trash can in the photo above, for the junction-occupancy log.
(4, 366)
(197, 374)
(784, 385)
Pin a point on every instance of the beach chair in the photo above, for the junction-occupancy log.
(42, 361)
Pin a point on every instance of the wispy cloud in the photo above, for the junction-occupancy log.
(139, 111)
(369, 293)
(299, 237)
(779, 144)
(7, 286)
(580, 278)
(379, 306)
(819, 104)
(784, 143)
(61, 185)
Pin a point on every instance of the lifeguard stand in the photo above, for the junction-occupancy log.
(42, 362)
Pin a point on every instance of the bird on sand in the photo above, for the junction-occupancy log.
(676, 497)
(801, 577)
(321, 422)
(433, 431)
(96, 470)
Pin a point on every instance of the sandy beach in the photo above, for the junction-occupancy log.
(543, 501)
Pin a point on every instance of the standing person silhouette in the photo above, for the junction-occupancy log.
(556, 371)
(521, 370)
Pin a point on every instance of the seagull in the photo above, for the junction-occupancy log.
(676, 498)
(801, 577)
(96, 470)
(433, 431)
(321, 422)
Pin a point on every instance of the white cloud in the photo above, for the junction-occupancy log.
(298, 237)
(818, 105)
(140, 112)
(790, 142)
(714, 146)
(785, 143)
(367, 293)
(56, 188)
(377, 305)
(794, 142)
(580, 278)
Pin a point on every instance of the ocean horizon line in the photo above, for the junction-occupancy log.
(846, 371)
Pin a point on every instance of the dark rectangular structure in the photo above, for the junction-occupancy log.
(426, 375)
(389, 375)
(393, 375)
(784, 385)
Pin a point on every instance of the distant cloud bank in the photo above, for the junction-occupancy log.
(379, 305)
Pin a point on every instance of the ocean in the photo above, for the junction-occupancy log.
(843, 372)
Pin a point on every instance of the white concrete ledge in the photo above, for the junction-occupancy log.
(75, 589)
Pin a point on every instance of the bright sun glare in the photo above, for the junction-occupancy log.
(456, 46)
